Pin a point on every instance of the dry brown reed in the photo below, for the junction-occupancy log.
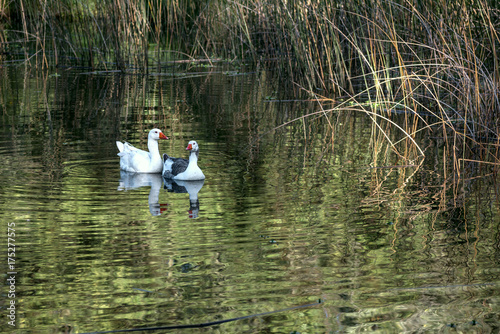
(435, 63)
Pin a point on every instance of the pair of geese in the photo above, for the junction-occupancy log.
(139, 161)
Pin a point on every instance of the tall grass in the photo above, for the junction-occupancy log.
(434, 62)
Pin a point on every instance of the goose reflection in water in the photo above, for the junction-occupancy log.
(129, 181)
(190, 187)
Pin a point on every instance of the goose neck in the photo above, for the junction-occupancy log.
(153, 148)
(193, 157)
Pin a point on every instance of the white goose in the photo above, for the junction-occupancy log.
(138, 161)
(182, 169)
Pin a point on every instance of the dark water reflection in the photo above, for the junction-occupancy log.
(284, 217)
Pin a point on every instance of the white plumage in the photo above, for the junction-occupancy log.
(182, 169)
(135, 160)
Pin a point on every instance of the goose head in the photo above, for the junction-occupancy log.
(156, 134)
(192, 146)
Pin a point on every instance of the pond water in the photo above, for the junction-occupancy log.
(286, 217)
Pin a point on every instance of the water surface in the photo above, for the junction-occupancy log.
(285, 217)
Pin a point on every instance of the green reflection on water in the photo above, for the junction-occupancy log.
(286, 216)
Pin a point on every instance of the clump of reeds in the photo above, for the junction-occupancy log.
(437, 66)
(436, 63)
(115, 34)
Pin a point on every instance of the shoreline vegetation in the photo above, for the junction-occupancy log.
(434, 62)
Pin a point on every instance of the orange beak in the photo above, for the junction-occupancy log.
(189, 148)
(162, 136)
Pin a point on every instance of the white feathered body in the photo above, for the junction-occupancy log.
(182, 169)
(135, 160)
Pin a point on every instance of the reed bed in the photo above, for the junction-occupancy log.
(434, 62)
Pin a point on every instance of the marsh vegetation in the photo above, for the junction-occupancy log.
(435, 62)
(359, 144)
